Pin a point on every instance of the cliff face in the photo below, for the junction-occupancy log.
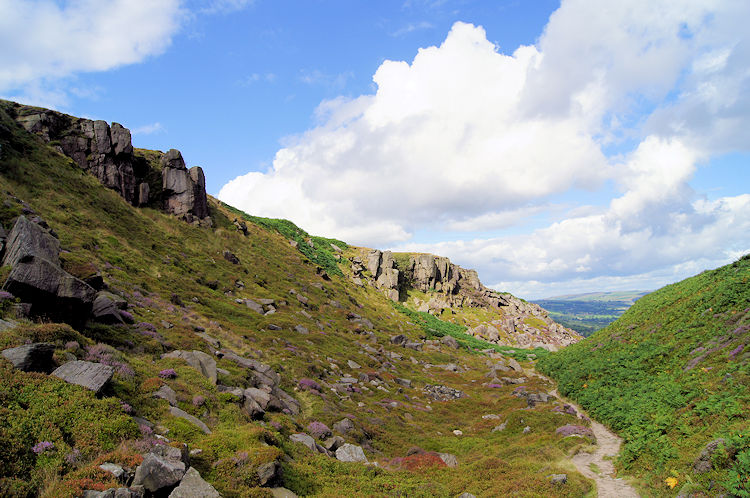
(511, 321)
(107, 153)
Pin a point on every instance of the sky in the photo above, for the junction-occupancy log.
(555, 147)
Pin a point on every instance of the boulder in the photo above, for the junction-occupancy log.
(35, 357)
(449, 341)
(399, 339)
(350, 453)
(343, 426)
(184, 191)
(51, 291)
(29, 239)
(449, 459)
(166, 393)
(267, 472)
(156, 473)
(199, 360)
(90, 375)
(703, 464)
(176, 412)
(305, 439)
(106, 307)
(192, 485)
(558, 478)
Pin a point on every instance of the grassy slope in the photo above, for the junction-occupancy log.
(153, 259)
(634, 376)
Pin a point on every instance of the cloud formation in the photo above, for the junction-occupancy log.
(465, 138)
(46, 40)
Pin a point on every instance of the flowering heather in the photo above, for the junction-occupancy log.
(5, 295)
(198, 400)
(105, 355)
(309, 384)
(736, 351)
(126, 408)
(494, 386)
(127, 316)
(168, 373)
(42, 446)
(318, 430)
(72, 345)
(574, 430)
(146, 326)
(73, 457)
(276, 425)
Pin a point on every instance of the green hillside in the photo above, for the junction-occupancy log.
(258, 297)
(670, 376)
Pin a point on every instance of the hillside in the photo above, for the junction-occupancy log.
(157, 341)
(671, 376)
(587, 313)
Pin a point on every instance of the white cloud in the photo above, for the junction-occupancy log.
(148, 129)
(412, 27)
(225, 6)
(48, 40)
(467, 138)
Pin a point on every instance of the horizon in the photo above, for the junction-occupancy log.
(557, 148)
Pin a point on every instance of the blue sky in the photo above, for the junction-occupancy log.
(555, 147)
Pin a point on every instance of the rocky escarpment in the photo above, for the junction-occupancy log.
(448, 286)
(106, 151)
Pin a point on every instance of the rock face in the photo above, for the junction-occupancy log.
(184, 190)
(90, 375)
(36, 276)
(449, 286)
(107, 153)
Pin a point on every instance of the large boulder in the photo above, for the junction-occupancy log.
(350, 453)
(184, 191)
(157, 473)
(106, 307)
(52, 291)
(29, 239)
(192, 485)
(35, 357)
(90, 375)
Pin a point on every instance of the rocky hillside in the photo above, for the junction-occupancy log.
(156, 342)
(672, 376)
(432, 284)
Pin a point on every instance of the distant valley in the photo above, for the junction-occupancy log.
(589, 312)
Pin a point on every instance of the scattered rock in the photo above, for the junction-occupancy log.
(442, 393)
(500, 427)
(558, 478)
(90, 375)
(282, 493)
(232, 258)
(350, 453)
(402, 382)
(301, 330)
(106, 307)
(449, 341)
(703, 464)
(353, 364)
(399, 339)
(449, 459)
(157, 472)
(35, 357)
(526, 429)
(176, 412)
(168, 394)
(304, 439)
(113, 469)
(192, 485)
(198, 360)
(343, 426)
(267, 472)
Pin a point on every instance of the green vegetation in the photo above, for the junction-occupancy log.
(316, 249)
(435, 327)
(587, 313)
(671, 375)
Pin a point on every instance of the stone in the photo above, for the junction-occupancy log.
(458, 432)
(350, 453)
(52, 291)
(156, 473)
(113, 469)
(353, 364)
(282, 493)
(267, 472)
(301, 329)
(143, 194)
(106, 307)
(399, 339)
(402, 382)
(333, 443)
(184, 191)
(514, 365)
(90, 375)
(500, 427)
(232, 258)
(254, 306)
(199, 360)
(449, 459)
(304, 439)
(343, 426)
(466, 495)
(176, 412)
(29, 239)
(192, 485)
(526, 429)
(558, 478)
(166, 393)
(416, 346)
(703, 464)
(35, 357)
(449, 341)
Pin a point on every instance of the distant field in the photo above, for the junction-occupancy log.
(587, 313)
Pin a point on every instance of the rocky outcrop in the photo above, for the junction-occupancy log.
(107, 153)
(184, 190)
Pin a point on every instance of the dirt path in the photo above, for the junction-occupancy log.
(608, 445)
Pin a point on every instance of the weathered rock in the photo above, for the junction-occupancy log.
(267, 472)
(333, 443)
(466, 495)
(353, 364)
(192, 485)
(558, 478)
(254, 306)
(156, 473)
(449, 341)
(449, 459)
(283, 493)
(184, 191)
(113, 469)
(52, 291)
(90, 375)
(29, 239)
(35, 357)
(168, 394)
(199, 360)
(106, 307)
(304, 439)
(144, 192)
(343, 426)
(399, 339)
(190, 418)
(402, 382)
(442, 393)
(703, 464)
(232, 258)
(350, 453)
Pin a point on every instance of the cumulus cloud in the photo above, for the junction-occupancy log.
(45, 40)
(468, 138)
